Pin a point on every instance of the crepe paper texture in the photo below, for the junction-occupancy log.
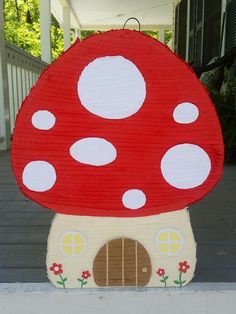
(118, 137)
(122, 252)
(118, 126)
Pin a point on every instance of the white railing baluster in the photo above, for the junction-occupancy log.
(26, 82)
(15, 90)
(11, 100)
(23, 83)
(19, 86)
(31, 79)
(23, 71)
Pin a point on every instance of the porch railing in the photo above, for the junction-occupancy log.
(23, 71)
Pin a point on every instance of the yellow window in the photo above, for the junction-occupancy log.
(72, 243)
(169, 241)
(163, 247)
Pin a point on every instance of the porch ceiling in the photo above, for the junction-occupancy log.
(106, 14)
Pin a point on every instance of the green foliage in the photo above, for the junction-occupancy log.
(225, 102)
(88, 33)
(155, 34)
(22, 27)
(224, 98)
(168, 36)
(152, 33)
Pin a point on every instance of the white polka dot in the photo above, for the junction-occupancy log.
(39, 176)
(43, 120)
(185, 113)
(134, 199)
(185, 166)
(93, 151)
(112, 87)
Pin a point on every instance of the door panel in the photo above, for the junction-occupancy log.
(122, 262)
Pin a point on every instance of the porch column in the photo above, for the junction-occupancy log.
(5, 128)
(45, 34)
(66, 26)
(78, 33)
(223, 10)
(162, 35)
(187, 30)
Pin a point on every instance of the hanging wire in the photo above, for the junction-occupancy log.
(133, 18)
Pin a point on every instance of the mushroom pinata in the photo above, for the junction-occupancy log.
(118, 137)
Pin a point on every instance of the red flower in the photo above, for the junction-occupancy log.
(85, 274)
(56, 268)
(183, 267)
(161, 272)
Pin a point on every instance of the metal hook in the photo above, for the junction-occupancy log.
(133, 18)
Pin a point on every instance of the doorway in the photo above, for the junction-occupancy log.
(122, 262)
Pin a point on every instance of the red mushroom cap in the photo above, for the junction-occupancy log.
(117, 126)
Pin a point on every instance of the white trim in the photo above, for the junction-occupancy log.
(128, 26)
(45, 34)
(66, 3)
(203, 26)
(77, 33)
(162, 35)
(187, 30)
(223, 10)
(195, 298)
(5, 128)
(66, 26)
(47, 288)
(173, 21)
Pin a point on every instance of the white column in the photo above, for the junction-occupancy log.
(45, 34)
(78, 33)
(66, 26)
(187, 30)
(162, 35)
(5, 128)
(223, 10)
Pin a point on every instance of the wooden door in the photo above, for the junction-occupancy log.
(122, 262)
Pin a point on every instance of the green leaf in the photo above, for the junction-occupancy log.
(79, 279)
(166, 277)
(25, 34)
(183, 281)
(64, 279)
(177, 282)
(162, 280)
(60, 283)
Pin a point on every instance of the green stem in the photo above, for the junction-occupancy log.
(164, 280)
(180, 279)
(82, 283)
(62, 280)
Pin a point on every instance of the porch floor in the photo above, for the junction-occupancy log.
(24, 228)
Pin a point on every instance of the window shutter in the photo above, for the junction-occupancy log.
(181, 28)
(191, 53)
(212, 30)
(199, 32)
(230, 38)
(195, 32)
(176, 27)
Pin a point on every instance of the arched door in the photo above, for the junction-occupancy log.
(122, 262)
